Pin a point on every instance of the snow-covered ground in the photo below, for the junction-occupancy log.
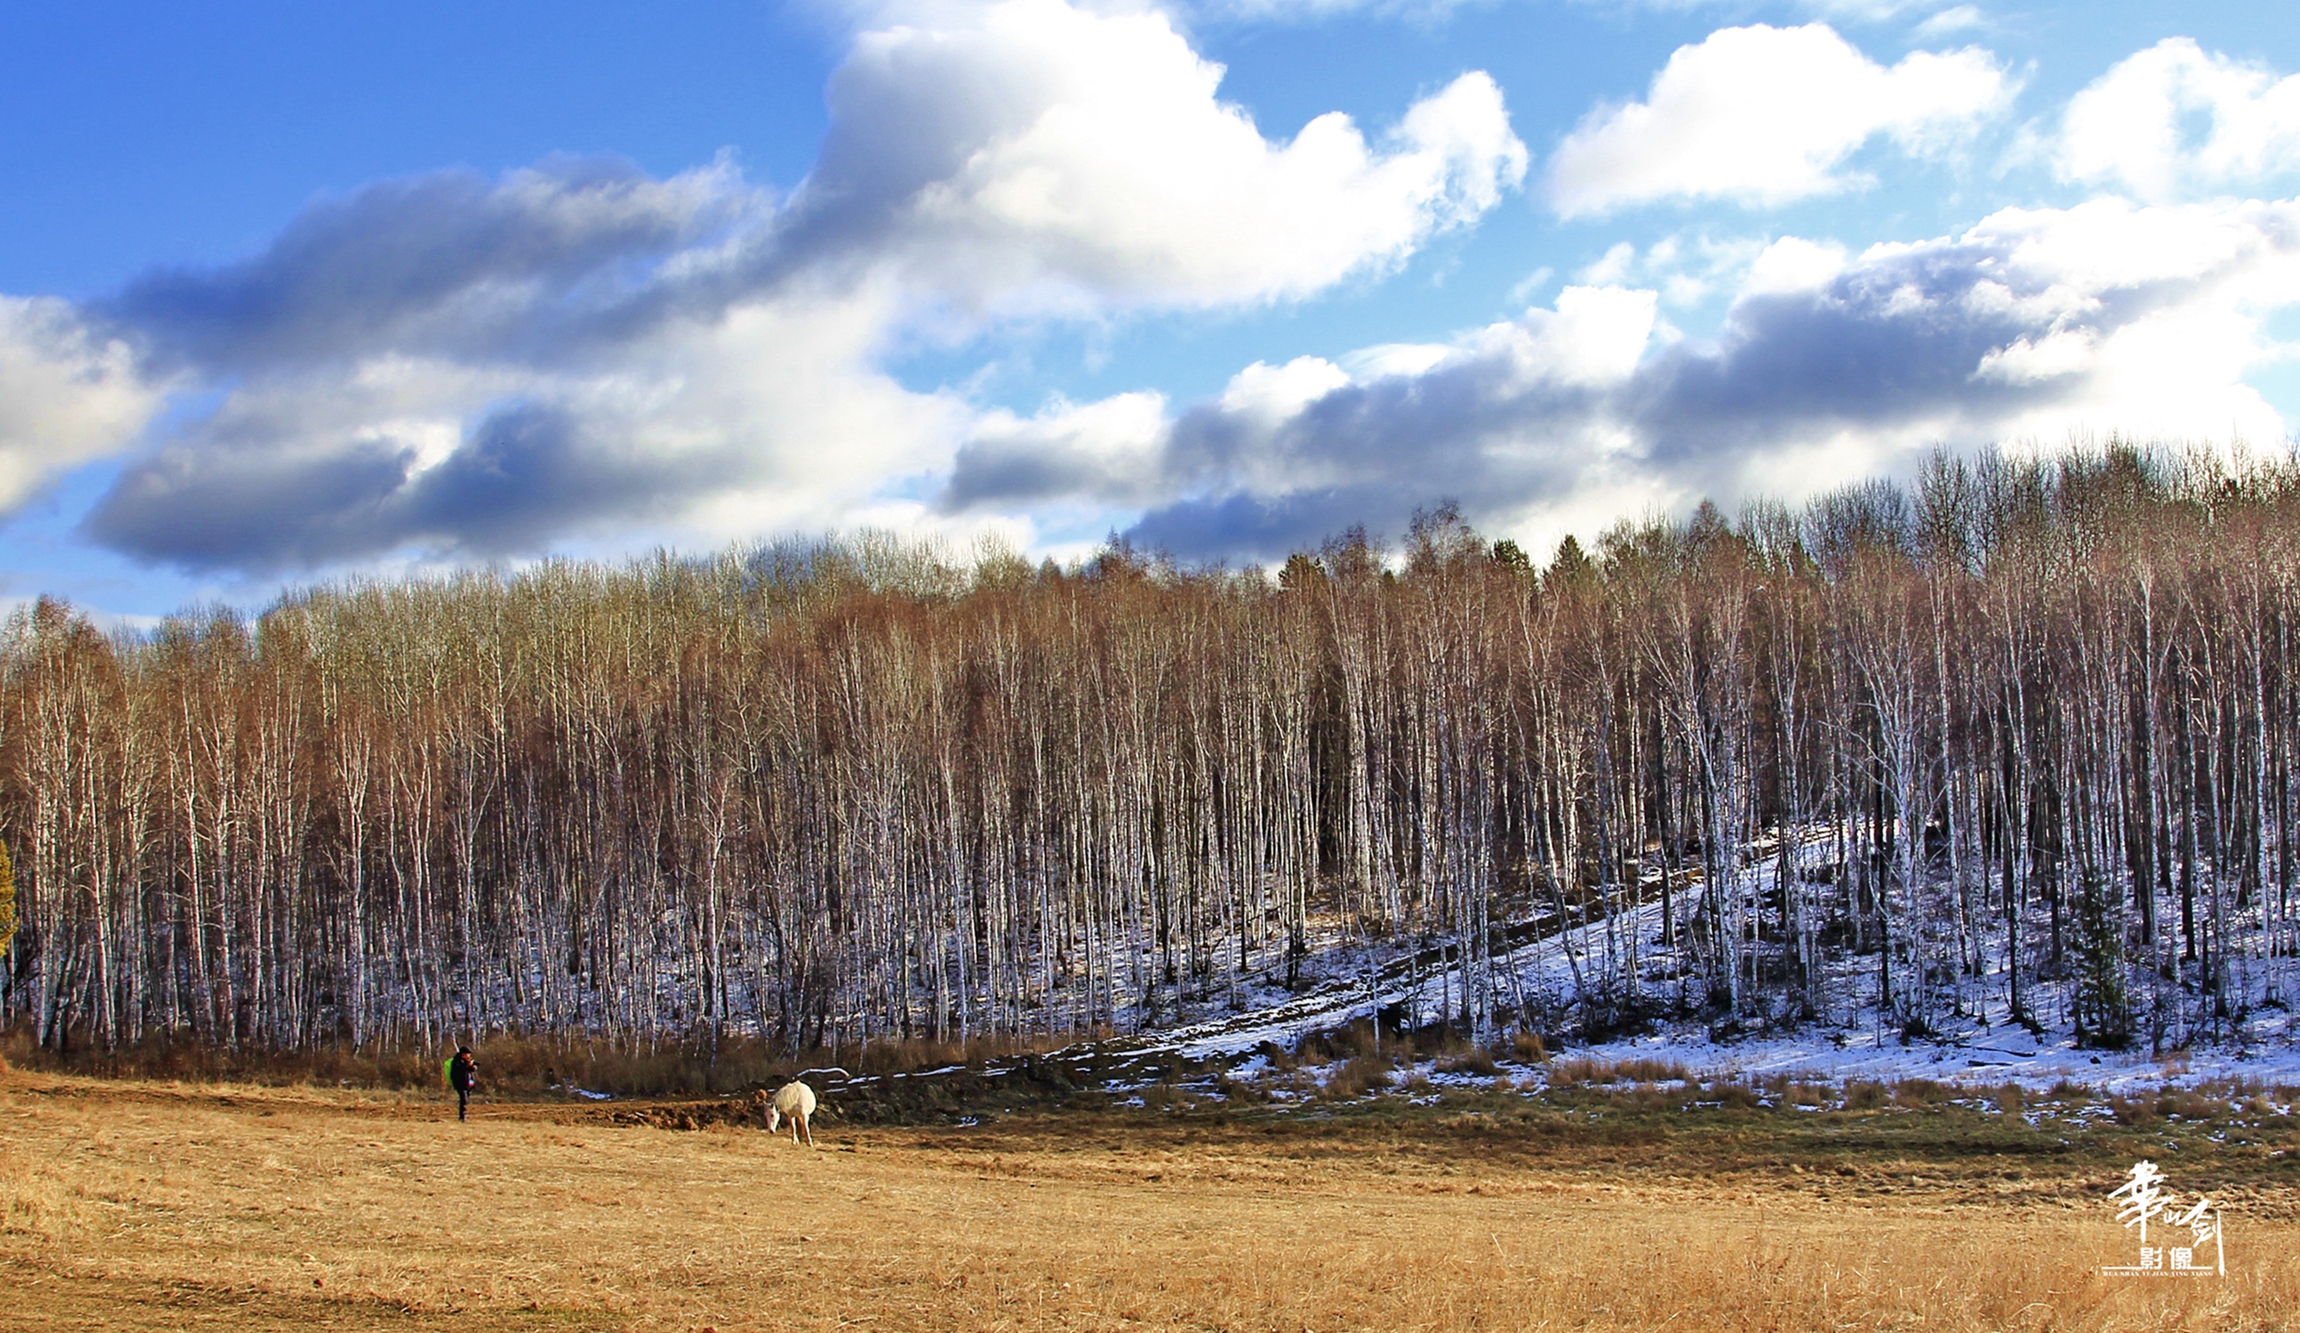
(1991, 1050)
(2010, 1055)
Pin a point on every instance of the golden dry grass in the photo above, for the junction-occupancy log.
(146, 1206)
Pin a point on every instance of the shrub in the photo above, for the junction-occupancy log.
(1865, 1095)
(1916, 1092)
(1240, 1090)
(1643, 1070)
(1579, 1070)
(2190, 1106)
(1472, 1061)
(1357, 1076)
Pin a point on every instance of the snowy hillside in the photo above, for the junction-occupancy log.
(1990, 1049)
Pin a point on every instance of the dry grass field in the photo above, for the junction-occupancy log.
(165, 1206)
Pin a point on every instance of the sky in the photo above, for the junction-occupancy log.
(295, 293)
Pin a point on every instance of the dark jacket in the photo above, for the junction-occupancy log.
(461, 1072)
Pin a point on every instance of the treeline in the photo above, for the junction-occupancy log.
(2018, 733)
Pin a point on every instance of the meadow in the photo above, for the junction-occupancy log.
(156, 1205)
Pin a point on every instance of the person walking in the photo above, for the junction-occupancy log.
(463, 1076)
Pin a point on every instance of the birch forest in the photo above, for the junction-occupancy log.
(2016, 734)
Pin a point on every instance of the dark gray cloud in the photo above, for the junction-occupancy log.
(1245, 527)
(211, 508)
(455, 364)
(1008, 473)
(1375, 453)
(471, 365)
(450, 264)
(526, 474)
(1891, 342)
(447, 302)
(1455, 422)
(489, 308)
(2044, 318)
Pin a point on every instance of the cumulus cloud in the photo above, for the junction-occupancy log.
(465, 366)
(1104, 452)
(2138, 125)
(451, 264)
(1041, 157)
(1763, 116)
(698, 425)
(1686, 270)
(2034, 323)
(67, 394)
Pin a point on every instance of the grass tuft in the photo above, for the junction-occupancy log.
(1357, 1076)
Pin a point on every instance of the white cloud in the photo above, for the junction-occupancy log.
(2132, 126)
(1617, 263)
(1687, 271)
(2148, 317)
(1958, 18)
(1386, 360)
(457, 366)
(2034, 324)
(1524, 288)
(1057, 159)
(1793, 264)
(1275, 392)
(2034, 360)
(1764, 116)
(1594, 337)
(775, 417)
(1102, 452)
(67, 394)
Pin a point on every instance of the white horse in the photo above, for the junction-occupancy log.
(794, 1102)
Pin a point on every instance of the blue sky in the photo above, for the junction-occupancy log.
(295, 292)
